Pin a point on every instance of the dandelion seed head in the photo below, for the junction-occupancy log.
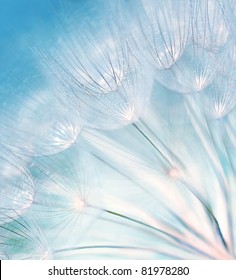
(153, 173)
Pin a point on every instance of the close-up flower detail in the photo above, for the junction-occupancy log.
(118, 130)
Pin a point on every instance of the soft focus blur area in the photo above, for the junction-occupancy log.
(117, 129)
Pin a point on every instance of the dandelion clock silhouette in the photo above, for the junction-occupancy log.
(117, 129)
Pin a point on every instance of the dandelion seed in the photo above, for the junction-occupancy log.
(100, 72)
(22, 239)
(209, 27)
(193, 72)
(219, 98)
(161, 32)
(38, 123)
(66, 190)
